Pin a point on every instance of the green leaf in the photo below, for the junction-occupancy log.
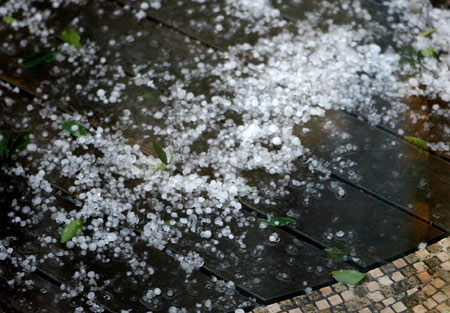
(9, 20)
(349, 277)
(74, 128)
(71, 36)
(428, 53)
(279, 221)
(4, 140)
(335, 254)
(147, 95)
(340, 245)
(40, 59)
(160, 167)
(411, 57)
(422, 144)
(71, 230)
(160, 152)
(168, 223)
(428, 32)
(20, 142)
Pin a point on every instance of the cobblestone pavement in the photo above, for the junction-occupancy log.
(419, 282)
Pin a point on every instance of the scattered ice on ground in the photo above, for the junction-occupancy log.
(251, 113)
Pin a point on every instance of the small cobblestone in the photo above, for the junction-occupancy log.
(326, 291)
(335, 300)
(399, 263)
(416, 283)
(399, 307)
(397, 276)
(375, 273)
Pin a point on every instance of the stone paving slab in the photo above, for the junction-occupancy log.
(417, 283)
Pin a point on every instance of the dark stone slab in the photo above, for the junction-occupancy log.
(35, 298)
(211, 22)
(419, 119)
(372, 230)
(373, 160)
(266, 269)
(111, 32)
(291, 257)
(120, 286)
(300, 261)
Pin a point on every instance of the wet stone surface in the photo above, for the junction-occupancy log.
(370, 229)
(118, 286)
(356, 187)
(383, 165)
(269, 263)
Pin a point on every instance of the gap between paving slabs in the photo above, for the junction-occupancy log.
(196, 26)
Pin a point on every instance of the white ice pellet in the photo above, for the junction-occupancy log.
(140, 15)
(274, 237)
(92, 246)
(155, 4)
(276, 141)
(112, 237)
(31, 147)
(422, 245)
(206, 234)
(101, 93)
(288, 111)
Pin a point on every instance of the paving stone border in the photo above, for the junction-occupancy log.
(417, 283)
